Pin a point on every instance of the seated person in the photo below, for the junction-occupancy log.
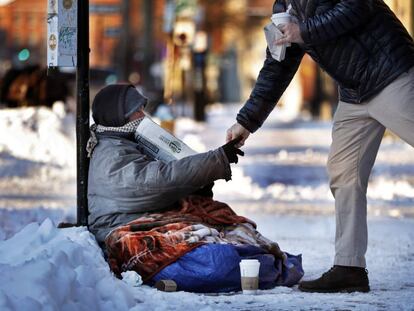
(152, 215)
(123, 183)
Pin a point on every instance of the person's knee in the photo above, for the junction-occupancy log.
(341, 173)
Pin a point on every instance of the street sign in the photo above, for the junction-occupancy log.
(62, 33)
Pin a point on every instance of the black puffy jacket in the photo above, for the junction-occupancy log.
(359, 43)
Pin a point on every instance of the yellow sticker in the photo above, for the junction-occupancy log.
(67, 4)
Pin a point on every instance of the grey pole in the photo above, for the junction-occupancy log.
(125, 42)
(82, 111)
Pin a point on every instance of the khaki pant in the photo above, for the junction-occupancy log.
(356, 137)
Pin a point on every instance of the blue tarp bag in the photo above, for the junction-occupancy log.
(215, 268)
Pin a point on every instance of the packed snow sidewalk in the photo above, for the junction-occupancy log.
(281, 184)
(62, 269)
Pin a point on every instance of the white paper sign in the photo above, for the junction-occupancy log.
(160, 144)
(62, 33)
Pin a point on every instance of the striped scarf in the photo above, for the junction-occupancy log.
(93, 141)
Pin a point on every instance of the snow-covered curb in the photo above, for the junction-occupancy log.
(45, 268)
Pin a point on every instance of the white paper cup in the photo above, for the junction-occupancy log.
(281, 19)
(249, 272)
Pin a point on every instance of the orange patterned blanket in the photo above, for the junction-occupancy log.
(152, 242)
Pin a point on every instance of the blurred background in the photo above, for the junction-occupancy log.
(188, 52)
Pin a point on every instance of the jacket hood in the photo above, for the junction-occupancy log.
(108, 107)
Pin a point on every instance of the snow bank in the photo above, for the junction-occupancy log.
(13, 220)
(58, 269)
(39, 134)
(44, 268)
(37, 159)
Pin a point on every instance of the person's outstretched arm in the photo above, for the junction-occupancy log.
(273, 79)
(165, 183)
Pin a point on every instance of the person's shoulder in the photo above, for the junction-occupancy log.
(114, 147)
(112, 155)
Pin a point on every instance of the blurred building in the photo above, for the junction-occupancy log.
(125, 38)
(131, 40)
(23, 25)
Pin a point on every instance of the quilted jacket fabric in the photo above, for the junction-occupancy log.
(360, 44)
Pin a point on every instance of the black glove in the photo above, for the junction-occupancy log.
(231, 151)
(206, 191)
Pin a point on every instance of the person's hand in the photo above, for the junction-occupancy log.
(232, 151)
(291, 34)
(235, 131)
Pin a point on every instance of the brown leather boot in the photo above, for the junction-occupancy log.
(339, 279)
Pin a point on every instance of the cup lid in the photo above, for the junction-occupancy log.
(282, 14)
(249, 261)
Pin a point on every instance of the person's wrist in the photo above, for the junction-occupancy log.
(245, 125)
(223, 155)
(303, 31)
(232, 151)
(228, 153)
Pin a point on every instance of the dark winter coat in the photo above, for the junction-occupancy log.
(360, 43)
(123, 183)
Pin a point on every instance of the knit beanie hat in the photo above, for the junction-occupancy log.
(113, 104)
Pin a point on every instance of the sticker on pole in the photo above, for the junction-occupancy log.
(62, 33)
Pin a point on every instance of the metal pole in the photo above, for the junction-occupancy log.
(125, 42)
(82, 111)
(148, 40)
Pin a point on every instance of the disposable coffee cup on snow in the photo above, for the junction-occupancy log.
(281, 19)
(249, 272)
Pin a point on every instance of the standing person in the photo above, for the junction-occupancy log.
(369, 53)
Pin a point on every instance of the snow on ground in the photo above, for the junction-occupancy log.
(63, 269)
(284, 168)
(281, 183)
(37, 157)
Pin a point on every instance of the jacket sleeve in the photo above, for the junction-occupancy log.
(171, 181)
(273, 79)
(345, 16)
